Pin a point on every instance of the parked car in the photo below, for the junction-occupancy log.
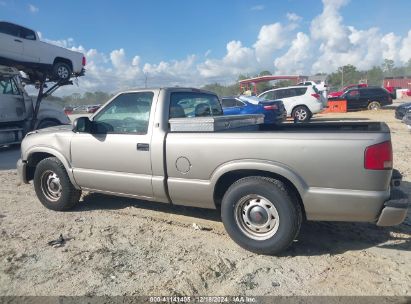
(273, 110)
(371, 98)
(346, 88)
(301, 102)
(68, 110)
(93, 109)
(80, 109)
(401, 110)
(21, 47)
(321, 87)
(407, 119)
(265, 179)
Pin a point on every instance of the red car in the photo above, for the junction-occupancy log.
(351, 86)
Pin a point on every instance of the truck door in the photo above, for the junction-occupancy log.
(31, 46)
(353, 99)
(115, 157)
(11, 45)
(12, 107)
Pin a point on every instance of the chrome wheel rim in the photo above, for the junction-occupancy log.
(62, 72)
(257, 217)
(51, 186)
(374, 106)
(301, 114)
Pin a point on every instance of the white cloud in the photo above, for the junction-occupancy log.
(270, 38)
(33, 9)
(295, 59)
(405, 51)
(257, 7)
(293, 17)
(238, 60)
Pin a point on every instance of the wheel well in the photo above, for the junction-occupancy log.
(227, 179)
(65, 60)
(32, 162)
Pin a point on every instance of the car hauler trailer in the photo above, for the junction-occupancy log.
(19, 113)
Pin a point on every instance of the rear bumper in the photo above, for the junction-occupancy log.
(394, 210)
(21, 171)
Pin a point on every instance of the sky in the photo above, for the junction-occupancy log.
(192, 43)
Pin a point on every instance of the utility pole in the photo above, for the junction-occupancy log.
(145, 79)
(342, 77)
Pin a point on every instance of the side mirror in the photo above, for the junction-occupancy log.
(82, 125)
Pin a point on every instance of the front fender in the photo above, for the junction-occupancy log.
(55, 153)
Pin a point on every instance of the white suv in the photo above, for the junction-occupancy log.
(21, 48)
(301, 102)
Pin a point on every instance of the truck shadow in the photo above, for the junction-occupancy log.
(97, 201)
(315, 238)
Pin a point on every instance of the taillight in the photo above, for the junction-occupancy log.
(83, 62)
(316, 95)
(271, 107)
(378, 157)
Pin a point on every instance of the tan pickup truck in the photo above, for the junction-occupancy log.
(172, 145)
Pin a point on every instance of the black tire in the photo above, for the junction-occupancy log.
(47, 123)
(62, 71)
(374, 105)
(46, 191)
(301, 114)
(288, 212)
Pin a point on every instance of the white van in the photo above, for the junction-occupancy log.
(301, 102)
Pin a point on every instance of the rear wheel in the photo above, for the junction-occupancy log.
(62, 71)
(260, 216)
(301, 114)
(374, 105)
(53, 186)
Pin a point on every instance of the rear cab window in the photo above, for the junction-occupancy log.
(27, 34)
(194, 104)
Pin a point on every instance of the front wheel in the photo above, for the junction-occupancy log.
(260, 216)
(374, 105)
(53, 186)
(301, 114)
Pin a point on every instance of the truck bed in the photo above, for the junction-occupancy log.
(325, 161)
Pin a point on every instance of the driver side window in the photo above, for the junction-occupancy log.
(127, 113)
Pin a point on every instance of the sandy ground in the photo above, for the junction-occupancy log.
(118, 246)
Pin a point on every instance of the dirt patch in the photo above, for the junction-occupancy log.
(120, 246)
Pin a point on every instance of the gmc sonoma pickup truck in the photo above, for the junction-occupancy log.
(265, 179)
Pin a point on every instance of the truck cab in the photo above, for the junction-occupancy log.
(17, 109)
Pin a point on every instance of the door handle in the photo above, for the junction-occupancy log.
(143, 147)
(17, 40)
